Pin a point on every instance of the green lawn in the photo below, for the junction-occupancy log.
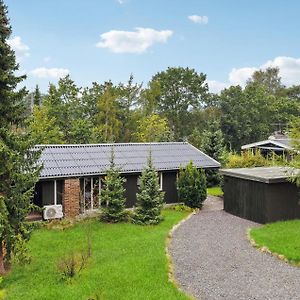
(215, 191)
(128, 262)
(280, 237)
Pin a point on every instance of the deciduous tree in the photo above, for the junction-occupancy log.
(107, 122)
(181, 89)
(43, 128)
(153, 129)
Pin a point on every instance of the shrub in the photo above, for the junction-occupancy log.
(191, 185)
(149, 198)
(20, 254)
(60, 224)
(72, 264)
(181, 207)
(251, 159)
(2, 292)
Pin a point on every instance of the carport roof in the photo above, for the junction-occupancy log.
(61, 161)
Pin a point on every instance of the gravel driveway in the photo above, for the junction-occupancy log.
(214, 260)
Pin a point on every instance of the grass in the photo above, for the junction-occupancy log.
(215, 191)
(281, 238)
(128, 262)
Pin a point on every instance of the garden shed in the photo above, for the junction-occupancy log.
(261, 194)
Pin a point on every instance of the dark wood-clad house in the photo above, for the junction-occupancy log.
(72, 175)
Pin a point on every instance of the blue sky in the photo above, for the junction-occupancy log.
(96, 40)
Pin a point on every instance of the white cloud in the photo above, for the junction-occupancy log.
(121, 1)
(289, 71)
(198, 19)
(240, 76)
(137, 41)
(49, 72)
(21, 49)
(216, 86)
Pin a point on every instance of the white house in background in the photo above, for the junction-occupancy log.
(277, 143)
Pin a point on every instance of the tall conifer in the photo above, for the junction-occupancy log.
(18, 169)
(112, 194)
(150, 198)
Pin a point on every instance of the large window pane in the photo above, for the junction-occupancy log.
(48, 193)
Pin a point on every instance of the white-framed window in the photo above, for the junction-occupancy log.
(55, 192)
(138, 182)
(91, 193)
(160, 180)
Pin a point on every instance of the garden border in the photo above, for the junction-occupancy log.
(265, 249)
(170, 265)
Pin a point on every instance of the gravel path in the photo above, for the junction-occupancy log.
(214, 260)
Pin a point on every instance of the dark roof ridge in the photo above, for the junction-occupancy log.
(110, 144)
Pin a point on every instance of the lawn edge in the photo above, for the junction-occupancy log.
(170, 264)
(265, 249)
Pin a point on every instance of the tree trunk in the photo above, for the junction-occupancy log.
(2, 268)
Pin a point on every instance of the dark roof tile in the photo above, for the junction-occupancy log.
(83, 160)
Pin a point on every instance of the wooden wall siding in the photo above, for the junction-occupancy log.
(169, 187)
(283, 202)
(261, 202)
(131, 189)
(71, 197)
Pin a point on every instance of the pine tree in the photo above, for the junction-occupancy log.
(18, 169)
(150, 199)
(112, 195)
(37, 96)
(213, 145)
(191, 186)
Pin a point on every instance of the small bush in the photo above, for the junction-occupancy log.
(2, 292)
(251, 159)
(60, 224)
(72, 264)
(246, 159)
(191, 185)
(20, 253)
(181, 207)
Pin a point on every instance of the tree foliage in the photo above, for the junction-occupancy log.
(250, 115)
(18, 168)
(213, 145)
(251, 159)
(37, 96)
(191, 186)
(43, 128)
(295, 136)
(150, 199)
(269, 79)
(180, 90)
(153, 129)
(107, 123)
